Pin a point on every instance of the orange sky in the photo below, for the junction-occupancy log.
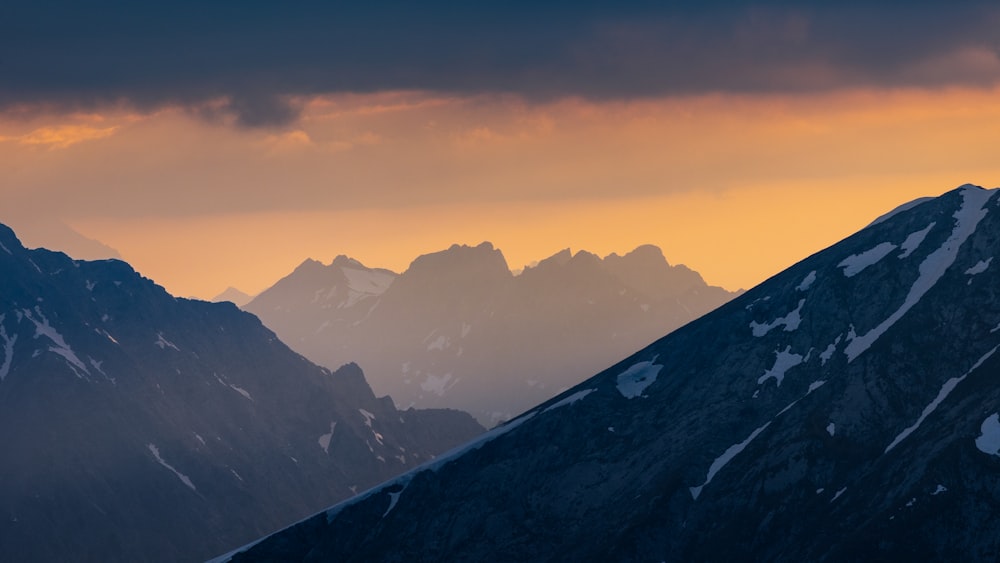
(736, 187)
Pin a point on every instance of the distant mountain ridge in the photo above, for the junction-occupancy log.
(50, 233)
(457, 329)
(845, 409)
(234, 296)
(139, 426)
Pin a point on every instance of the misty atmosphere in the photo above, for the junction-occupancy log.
(457, 329)
(521, 281)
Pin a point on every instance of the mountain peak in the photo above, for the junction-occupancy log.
(648, 253)
(585, 259)
(558, 259)
(483, 248)
(344, 261)
(460, 257)
(647, 270)
(970, 186)
(920, 200)
(309, 265)
(233, 295)
(9, 241)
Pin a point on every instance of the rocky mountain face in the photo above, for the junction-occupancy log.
(458, 329)
(844, 410)
(136, 426)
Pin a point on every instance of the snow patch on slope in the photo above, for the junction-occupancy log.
(988, 441)
(364, 283)
(807, 281)
(43, 328)
(163, 343)
(369, 417)
(790, 321)
(184, 478)
(828, 353)
(240, 390)
(932, 268)
(324, 440)
(914, 239)
(946, 389)
(726, 457)
(367, 281)
(633, 381)
(838, 493)
(979, 268)
(856, 263)
(393, 499)
(735, 449)
(570, 400)
(784, 360)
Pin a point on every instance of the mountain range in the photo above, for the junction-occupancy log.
(458, 329)
(846, 409)
(139, 426)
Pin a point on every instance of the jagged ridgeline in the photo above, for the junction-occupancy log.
(458, 329)
(844, 410)
(136, 426)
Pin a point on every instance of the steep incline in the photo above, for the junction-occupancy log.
(845, 409)
(138, 426)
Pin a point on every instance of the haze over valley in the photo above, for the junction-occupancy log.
(458, 329)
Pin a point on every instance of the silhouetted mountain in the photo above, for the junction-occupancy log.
(844, 410)
(139, 426)
(459, 330)
(43, 233)
(234, 296)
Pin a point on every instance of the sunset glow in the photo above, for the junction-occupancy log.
(719, 182)
(736, 175)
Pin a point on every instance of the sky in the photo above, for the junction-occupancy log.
(221, 144)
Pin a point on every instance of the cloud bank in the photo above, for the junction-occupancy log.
(251, 63)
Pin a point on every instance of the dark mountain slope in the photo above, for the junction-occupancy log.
(138, 426)
(844, 410)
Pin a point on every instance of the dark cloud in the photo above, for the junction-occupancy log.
(247, 60)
